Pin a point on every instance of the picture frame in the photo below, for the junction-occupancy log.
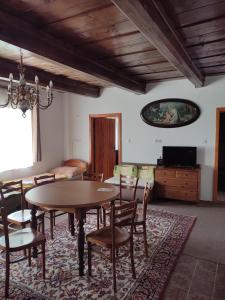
(170, 113)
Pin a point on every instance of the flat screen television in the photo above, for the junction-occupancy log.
(179, 156)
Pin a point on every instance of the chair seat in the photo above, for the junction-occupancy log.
(103, 237)
(117, 202)
(22, 217)
(63, 209)
(67, 210)
(22, 238)
(48, 209)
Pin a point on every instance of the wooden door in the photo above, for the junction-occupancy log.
(219, 169)
(104, 146)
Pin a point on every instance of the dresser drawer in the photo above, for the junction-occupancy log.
(178, 182)
(173, 193)
(165, 173)
(190, 175)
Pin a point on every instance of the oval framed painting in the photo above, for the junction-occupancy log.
(170, 113)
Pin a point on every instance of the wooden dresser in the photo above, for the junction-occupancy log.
(177, 183)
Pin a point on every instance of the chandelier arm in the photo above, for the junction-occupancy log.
(25, 96)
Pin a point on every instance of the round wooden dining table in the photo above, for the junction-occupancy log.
(66, 195)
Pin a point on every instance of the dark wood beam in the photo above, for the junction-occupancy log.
(60, 82)
(22, 34)
(153, 22)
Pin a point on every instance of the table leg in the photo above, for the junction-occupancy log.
(34, 226)
(80, 215)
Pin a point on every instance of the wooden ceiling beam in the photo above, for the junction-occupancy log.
(60, 82)
(15, 31)
(153, 22)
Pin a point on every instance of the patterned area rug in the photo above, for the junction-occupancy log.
(167, 233)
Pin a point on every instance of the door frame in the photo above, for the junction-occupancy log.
(219, 110)
(91, 136)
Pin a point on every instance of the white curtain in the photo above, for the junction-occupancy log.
(36, 135)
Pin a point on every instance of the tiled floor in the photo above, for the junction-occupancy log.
(200, 270)
(196, 279)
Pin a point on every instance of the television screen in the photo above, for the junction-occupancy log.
(179, 156)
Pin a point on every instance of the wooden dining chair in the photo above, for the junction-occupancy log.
(128, 184)
(115, 236)
(53, 213)
(140, 218)
(97, 209)
(23, 239)
(23, 216)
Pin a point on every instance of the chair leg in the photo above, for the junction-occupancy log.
(54, 218)
(51, 224)
(100, 211)
(24, 251)
(145, 240)
(69, 225)
(7, 270)
(114, 269)
(29, 257)
(132, 257)
(43, 260)
(98, 217)
(43, 224)
(38, 227)
(117, 252)
(89, 258)
(104, 217)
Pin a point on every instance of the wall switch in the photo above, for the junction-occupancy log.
(158, 141)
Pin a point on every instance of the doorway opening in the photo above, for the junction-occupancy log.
(105, 139)
(219, 170)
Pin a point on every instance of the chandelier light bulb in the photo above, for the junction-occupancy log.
(10, 76)
(51, 84)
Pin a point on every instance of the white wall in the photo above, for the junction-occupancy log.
(52, 140)
(141, 142)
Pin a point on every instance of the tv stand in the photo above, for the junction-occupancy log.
(181, 183)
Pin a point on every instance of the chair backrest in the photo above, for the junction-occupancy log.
(122, 215)
(128, 183)
(45, 179)
(13, 188)
(92, 176)
(146, 198)
(5, 226)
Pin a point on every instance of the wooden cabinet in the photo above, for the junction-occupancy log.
(177, 183)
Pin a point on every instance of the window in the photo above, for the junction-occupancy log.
(16, 139)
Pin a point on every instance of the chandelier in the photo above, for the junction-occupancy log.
(25, 96)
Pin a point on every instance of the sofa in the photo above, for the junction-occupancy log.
(143, 172)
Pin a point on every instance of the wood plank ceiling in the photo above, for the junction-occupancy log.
(202, 26)
(85, 45)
